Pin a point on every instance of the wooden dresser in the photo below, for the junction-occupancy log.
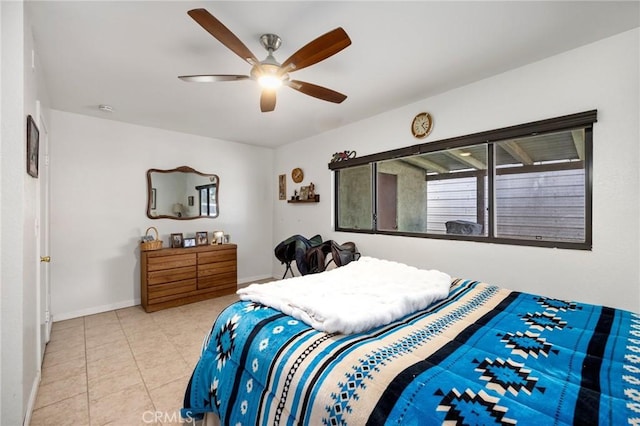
(177, 276)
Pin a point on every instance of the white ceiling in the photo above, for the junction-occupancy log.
(129, 54)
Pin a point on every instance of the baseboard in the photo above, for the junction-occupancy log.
(249, 280)
(32, 399)
(95, 310)
(243, 282)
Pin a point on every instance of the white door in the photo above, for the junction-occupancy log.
(44, 312)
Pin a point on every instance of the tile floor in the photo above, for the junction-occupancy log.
(122, 367)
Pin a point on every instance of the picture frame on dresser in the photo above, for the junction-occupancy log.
(189, 242)
(176, 240)
(202, 238)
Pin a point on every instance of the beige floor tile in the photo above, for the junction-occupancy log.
(132, 311)
(188, 337)
(61, 345)
(107, 350)
(117, 360)
(150, 344)
(65, 354)
(70, 335)
(106, 384)
(58, 390)
(134, 323)
(103, 318)
(63, 370)
(165, 373)
(168, 315)
(141, 330)
(143, 333)
(145, 418)
(110, 365)
(71, 411)
(178, 328)
(153, 359)
(191, 360)
(61, 325)
(102, 329)
(169, 399)
(114, 336)
(125, 407)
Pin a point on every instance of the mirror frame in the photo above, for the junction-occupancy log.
(183, 169)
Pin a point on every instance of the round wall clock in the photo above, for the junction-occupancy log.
(297, 175)
(421, 125)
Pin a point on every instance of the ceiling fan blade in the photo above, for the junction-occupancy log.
(222, 33)
(209, 78)
(316, 91)
(268, 100)
(318, 50)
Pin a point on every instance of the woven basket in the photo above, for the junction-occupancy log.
(151, 245)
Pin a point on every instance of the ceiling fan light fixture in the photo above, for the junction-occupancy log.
(270, 81)
(268, 75)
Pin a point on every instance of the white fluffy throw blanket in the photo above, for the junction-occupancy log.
(353, 298)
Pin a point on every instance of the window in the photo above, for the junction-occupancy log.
(354, 198)
(527, 184)
(208, 199)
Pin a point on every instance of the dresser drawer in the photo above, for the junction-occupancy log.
(169, 275)
(170, 262)
(216, 268)
(163, 292)
(225, 280)
(217, 256)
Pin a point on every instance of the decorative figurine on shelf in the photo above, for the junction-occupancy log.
(295, 194)
(341, 156)
(312, 191)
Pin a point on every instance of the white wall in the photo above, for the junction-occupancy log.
(12, 194)
(21, 85)
(98, 206)
(602, 76)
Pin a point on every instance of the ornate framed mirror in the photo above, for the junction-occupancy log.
(182, 193)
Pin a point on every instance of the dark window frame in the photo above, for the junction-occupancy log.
(208, 188)
(584, 120)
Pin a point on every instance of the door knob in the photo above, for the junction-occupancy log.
(45, 259)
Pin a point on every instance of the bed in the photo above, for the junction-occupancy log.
(480, 354)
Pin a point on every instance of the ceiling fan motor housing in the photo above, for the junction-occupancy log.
(271, 42)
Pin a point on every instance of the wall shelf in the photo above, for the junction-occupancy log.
(311, 200)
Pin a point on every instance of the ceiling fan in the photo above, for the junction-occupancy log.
(269, 73)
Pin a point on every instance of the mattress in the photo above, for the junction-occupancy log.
(482, 355)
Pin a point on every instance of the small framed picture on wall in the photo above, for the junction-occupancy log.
(304, 192)
(33, 147)
(282, 187)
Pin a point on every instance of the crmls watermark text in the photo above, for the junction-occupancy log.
(166, 417)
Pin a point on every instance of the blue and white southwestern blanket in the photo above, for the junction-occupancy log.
(483, 355)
